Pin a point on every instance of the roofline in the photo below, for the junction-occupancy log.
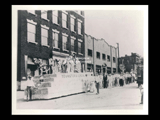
(100, 40)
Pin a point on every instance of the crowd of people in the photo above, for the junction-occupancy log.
(113, 80)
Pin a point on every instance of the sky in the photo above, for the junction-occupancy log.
(117, 26)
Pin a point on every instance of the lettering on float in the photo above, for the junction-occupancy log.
(72, 75)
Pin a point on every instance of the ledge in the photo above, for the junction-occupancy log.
(45, 19)
(31, 21)
(80, 40)
(46, 45)
(44, 26)
(64, 34)
(72, 37)
(66, 50)
(56, 48)
(56, 24)
(73, 31)
(65, 28)
(32, 42)
(54, 30)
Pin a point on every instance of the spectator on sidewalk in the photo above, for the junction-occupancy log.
(97, 81)
(30, 85)
(110, 80)
(121, 80)
(141, 90)
(104, 80)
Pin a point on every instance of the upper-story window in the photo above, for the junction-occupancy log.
(31, 31)
(72, 23)
(98, 55)
(80, 46)
(108, 58)
(55, 16)
(89, 52)
(44, 35)
(64, 41)
(64, 19)
(55, 35)
(79, 27)
(72, 43)
(114, 59)
(44, 14)
(103, 56)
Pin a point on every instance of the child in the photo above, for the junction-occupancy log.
(141, 90)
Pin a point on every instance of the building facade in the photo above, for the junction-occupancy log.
(131, 62)
(46, 34)
(100, 56)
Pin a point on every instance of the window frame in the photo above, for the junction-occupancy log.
(73, 38)
(45, 28)
(108, 58)
(103, 56)
(66, 14)
(72, 24)
(66, 36)
(31, 22)
(97, 55)
(114, 59)
(79, 27)
(53, 39)
(55, 16)
(90, 51)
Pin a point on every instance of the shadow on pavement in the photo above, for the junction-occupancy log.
(23, 100)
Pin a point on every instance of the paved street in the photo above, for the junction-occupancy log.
(127, 97)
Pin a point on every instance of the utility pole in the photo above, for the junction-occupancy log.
(93, 59)
(118, 56)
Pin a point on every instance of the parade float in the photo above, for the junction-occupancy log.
(66, 78)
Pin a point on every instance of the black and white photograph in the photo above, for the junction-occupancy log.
(80, 59)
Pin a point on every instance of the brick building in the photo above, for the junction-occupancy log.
(48, 34)
(100, 55)
(131, 62)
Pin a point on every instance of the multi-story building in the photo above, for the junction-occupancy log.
(46, 34)
(131, 62)
(100, 56)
